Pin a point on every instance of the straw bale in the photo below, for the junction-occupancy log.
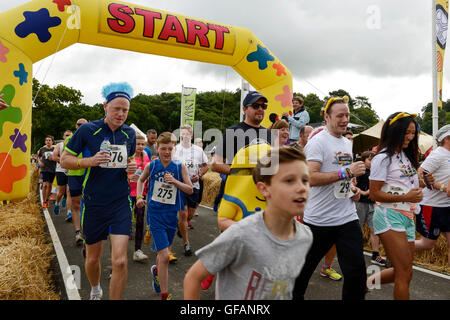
(211, 186)
(25, 252)
(24, 265)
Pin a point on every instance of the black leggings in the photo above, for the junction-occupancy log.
(139, 232)
(349, 245)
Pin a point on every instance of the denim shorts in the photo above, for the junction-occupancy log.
(385, 219)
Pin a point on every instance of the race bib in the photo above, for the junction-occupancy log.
(406, 206)
(164, 193)
(48, 154)
(342, 189)
(118, 159)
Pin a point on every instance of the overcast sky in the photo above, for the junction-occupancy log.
(380, 49)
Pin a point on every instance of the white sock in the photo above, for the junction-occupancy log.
(96, 289)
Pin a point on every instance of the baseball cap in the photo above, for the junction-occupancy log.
(252, 97)
(443, 132)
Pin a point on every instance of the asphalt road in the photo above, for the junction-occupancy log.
(424, 286)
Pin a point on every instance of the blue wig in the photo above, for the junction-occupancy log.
(117, 90)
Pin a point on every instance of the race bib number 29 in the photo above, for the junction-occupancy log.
(342, 189)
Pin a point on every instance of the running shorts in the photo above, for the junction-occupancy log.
(431, 221)
(385, 219)
(99, 221)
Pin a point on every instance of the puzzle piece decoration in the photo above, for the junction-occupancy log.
(286, 97)
(19, 140)
(10, 174)
(62, 4)
(3, 51)
(21, 74)
(37, 22)
(11, 114)
(262, 56)
(280, 69)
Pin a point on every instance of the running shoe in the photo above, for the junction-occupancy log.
(156, 286)
(187, 250)
(379, 261)
(172, 258)
(63, 202)
(179, 233)
(206, 283)
(56, 209)
(69, 216)
(46, 204)
(169, 297)
(139, 255)
(190, 225)
(78, 238)
(96, 295)
(330, 273)
(388, 263)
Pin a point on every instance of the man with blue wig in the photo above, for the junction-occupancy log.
(106, 208)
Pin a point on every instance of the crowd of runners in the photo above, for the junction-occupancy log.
(316, 194)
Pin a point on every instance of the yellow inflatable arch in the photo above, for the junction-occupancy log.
(39, 28)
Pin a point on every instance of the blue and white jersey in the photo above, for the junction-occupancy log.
(164, 197)
(102, 186)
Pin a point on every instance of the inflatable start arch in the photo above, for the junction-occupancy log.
(39, 28)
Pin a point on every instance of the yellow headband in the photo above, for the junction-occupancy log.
(333, 99)
(402, 115)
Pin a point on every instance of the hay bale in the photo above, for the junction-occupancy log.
(24, 265)
(211, 186)
(21, 219)
(25, 252)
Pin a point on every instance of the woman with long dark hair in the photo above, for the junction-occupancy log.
(394, 184)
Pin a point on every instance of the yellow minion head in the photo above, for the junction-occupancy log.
(241, 197)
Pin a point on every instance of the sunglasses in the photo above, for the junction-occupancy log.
(79, 124)
(256, 106)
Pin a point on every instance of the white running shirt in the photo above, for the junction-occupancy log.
(322, 207)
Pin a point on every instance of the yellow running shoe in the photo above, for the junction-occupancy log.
(330, 273)
(172, 258)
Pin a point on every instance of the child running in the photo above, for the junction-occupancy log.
(281, 242)
(167, 181)
(142, 160)
(394, 184)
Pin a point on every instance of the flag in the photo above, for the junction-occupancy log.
(188, 106)
(441, 41)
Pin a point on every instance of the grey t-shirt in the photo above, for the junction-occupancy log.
(250, 263)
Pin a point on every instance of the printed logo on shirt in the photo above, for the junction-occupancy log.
(260, 287)
(342, 159)
(407, 171)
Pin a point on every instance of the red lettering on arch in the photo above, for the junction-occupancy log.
(121, 13)
(220, 30)
(197, 29)
(253, 285)
(172, 28)
(149, 21)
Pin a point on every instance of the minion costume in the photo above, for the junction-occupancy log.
(241, 197)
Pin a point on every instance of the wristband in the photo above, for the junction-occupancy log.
(349, 172)
(139, 197)
(79, 163)
(342, 175)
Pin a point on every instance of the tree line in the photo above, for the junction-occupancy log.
(56, 109)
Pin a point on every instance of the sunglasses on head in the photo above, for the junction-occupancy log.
(256, 106)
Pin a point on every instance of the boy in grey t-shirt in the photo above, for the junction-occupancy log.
(260, 257)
